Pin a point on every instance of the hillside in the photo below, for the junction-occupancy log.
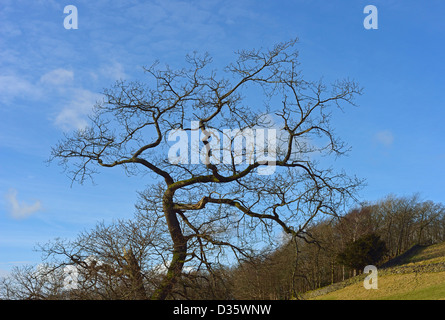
(418, 274)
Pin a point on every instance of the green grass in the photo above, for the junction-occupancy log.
(410, 286)
(413, 284)
(434, 292)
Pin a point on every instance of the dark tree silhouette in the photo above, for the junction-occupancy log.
(214, 206)
(366, 250)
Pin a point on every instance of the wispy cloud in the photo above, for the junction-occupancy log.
(73, 115)
(72, 102)
(20, 210)
(113, 70)
(384, 137)
(13, 86)
(57, 77)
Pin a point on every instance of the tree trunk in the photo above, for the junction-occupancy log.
(179, 248)
(134, 273)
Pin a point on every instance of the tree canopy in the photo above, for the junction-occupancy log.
(366, 250)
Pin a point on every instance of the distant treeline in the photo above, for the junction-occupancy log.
(400, 222)
(117, 261)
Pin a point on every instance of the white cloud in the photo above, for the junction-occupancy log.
(21, 210)
(58, 84)
(12, 86)
(57, 77)
(4, 273)
(73, 115)
(113, 70)
(385, 137)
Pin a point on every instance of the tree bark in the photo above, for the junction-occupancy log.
(134, 272)
(179, 248)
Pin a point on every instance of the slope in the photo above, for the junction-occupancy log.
(418, 274)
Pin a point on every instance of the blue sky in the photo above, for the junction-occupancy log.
(50, 77)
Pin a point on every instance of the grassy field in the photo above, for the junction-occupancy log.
(420, 276)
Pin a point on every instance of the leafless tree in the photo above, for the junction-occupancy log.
(213, 208)
(32, 283)
(122, 260)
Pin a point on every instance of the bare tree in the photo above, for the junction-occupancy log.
(122, 260)
(32, 283)
(427, 214)
(213, 206)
